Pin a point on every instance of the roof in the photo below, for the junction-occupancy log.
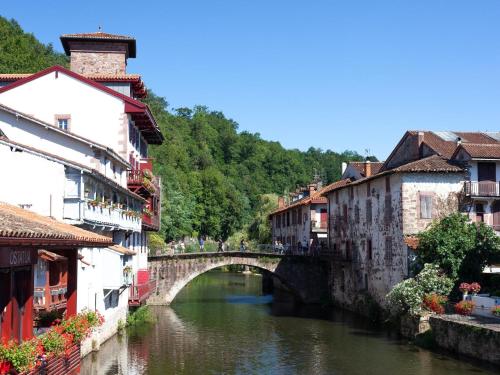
(23, 227)
(122, 250)
(46, 125)
(430, 164)
(57, 158)
(360, 166)
(50, 256)
(480, 151)
(139, 111)
(138, 87)
(316, 197)
(99, 36)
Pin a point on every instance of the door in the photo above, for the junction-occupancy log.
(323, 218)
(486, 173)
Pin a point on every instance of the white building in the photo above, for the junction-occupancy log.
(79, 145)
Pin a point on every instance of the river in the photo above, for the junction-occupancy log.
(222, 324)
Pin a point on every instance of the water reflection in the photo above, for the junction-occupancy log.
(221, 324)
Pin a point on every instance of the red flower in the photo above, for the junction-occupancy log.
(464, 307)
(5, 368)
(434, 302)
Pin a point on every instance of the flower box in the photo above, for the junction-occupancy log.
(60, 365)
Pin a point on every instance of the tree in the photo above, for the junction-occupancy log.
(259, 229)
(459, 247)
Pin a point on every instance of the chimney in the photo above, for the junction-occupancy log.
(420, 140)
(281, 202)
(344, 166)
(368, 168)
(312, 189)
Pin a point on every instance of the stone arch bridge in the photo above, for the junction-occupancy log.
(304, 276)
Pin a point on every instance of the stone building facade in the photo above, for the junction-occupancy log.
(371, 218)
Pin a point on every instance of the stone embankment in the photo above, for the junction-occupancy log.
(474, 337)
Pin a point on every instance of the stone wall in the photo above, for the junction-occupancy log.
(98, 58)
(467, 338)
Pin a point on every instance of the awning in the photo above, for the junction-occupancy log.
(50, 256)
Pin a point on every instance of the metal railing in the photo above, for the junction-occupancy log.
(482, 188)
(51, 299)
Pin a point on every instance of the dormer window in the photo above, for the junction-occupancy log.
(63, 122)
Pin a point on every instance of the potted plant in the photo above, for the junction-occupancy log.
(464, 288)
(464, 307)
(474, 288)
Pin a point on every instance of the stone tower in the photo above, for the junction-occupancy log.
(98, 53)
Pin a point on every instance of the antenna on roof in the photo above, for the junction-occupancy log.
(367, 153)
(99, 28)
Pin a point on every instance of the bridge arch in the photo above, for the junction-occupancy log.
(173, 272)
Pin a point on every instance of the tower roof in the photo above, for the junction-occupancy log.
(99, 37)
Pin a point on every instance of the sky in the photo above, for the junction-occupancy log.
(339, 75)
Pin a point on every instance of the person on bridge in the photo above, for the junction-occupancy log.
(202, 244)
(221, 246)
(242, 245)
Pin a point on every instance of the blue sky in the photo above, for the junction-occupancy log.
(330, 74)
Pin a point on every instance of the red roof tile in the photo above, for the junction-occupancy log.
(26, 227)
(99, 36)
(429, 164)
(481, 151)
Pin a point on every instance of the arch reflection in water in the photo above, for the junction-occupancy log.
(219, 325)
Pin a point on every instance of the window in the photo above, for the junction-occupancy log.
(368, 189)
(63, 121)
(425, 206)
(369, 251)
(388, 184)
(368, 211)
(388, 250)
(388, 209)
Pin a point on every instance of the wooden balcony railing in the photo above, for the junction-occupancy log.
(51, 298)
(143, 181)
(482, 188)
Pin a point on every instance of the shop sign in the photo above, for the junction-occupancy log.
(13, 257)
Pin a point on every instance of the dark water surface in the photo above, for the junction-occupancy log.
(222, 324)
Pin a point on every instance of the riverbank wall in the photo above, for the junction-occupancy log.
(466, 336)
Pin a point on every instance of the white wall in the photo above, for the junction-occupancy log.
(34, 135)
(95, 114)
(32, 181)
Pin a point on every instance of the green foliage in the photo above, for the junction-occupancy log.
(155, 243)
(22, 52)
(217, 181)
(461, 248)
(259, 229)
(407, 296)
(22, 357)
(140, 316)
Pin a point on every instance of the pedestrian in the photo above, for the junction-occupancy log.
(242, 245)
(202, 244)
(221, 246)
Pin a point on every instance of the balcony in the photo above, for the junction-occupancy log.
(141, 288)
(482, 188)
(143, 182)
(50, 298)
(113, 216)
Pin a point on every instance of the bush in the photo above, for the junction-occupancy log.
(461, 248)
(140, 316)
(464, 307)
(408, 295)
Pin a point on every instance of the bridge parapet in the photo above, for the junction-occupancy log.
(305, 276)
